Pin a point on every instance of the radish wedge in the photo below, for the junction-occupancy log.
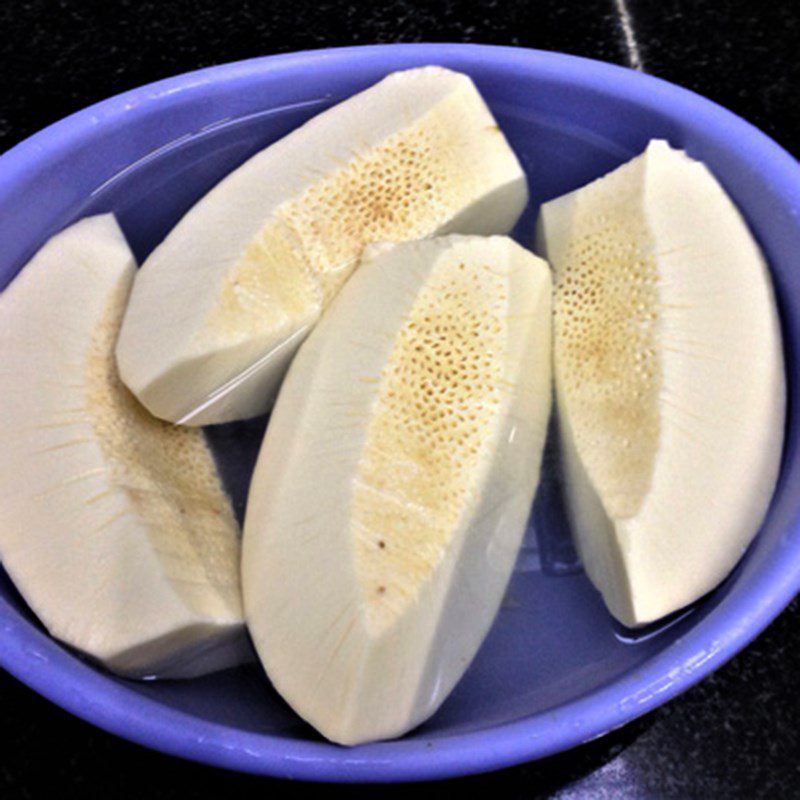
(220, 307)
(669, 376)
(113, 525)
(393, 487)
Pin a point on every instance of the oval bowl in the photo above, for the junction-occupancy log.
(554, 671)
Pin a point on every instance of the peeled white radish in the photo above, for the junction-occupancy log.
(669, 376)
(395, 480)
(220, 307)
(113, 525)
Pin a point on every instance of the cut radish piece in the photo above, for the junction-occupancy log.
(669, 376)
(113, 525)
(220, 307)
(395, 480)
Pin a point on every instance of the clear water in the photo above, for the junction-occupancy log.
(553, 640)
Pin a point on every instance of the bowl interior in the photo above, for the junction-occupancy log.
(149, 160)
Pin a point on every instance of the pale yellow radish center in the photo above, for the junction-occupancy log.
(429, 438)
(403, 189)
(606, 352)
(167, 472)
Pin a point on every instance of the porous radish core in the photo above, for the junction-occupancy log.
(606, 359)
(403, 189)
(169, 475)
(433, 423)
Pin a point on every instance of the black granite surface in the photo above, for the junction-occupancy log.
(737, 734)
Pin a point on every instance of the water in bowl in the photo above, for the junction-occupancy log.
(553, 640)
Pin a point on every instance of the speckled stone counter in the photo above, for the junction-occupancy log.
(736, 735)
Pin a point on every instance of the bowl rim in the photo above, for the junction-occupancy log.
(27, 652)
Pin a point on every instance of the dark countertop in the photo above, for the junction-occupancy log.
(735, 735)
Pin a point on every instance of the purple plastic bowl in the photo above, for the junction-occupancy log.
(554, 671)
